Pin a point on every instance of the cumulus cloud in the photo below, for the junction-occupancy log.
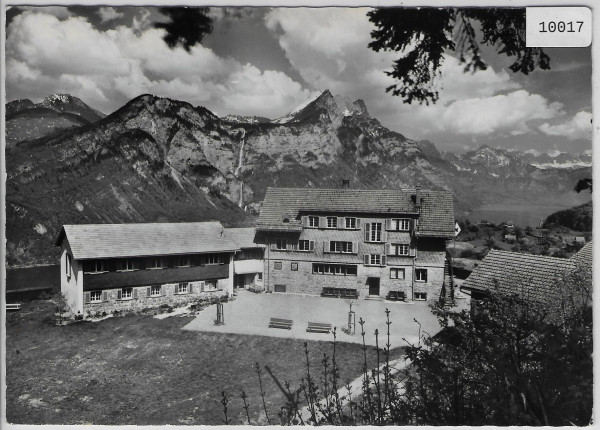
(59, 12)
(108, 13)
(108, 68)
(578, 127)
(328, 47)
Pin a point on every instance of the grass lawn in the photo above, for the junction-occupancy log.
(141, 370)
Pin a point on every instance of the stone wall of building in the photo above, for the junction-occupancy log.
(142, 300)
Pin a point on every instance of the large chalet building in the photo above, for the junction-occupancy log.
(356, 243)
(108, 267)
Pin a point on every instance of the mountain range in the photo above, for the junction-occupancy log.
(157, 159)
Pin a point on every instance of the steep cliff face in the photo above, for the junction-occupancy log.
(152, 160)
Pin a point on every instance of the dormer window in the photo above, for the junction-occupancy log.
(286, 220)
(401, 224)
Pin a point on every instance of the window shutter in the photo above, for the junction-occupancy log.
(383, 260)
(388, 249)
(341, 222)
(191, 288)
(355, 247)
(318, 221)
(105, 296)
(135, 293)
(326, 246)
(414, 225)
(148, 291)
(412, 252)
(384, 236)
(305, 221)
(273, 246)
(87, 297)
(367, 231)
(388, 224)
(311, 245)
(118, 294)
(367, 259)
(357, 222)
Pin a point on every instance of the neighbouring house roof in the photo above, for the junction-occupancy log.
(243, 237)
(132, 240)
(533, 277)
(282, 207)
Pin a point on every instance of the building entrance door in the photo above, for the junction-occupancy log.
(373, 286)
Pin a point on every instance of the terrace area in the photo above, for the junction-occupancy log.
(250, 314)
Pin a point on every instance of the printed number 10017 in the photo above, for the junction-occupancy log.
(560, 27)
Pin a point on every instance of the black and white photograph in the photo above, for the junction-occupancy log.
(339, 214)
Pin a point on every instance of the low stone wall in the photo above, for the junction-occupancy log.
(141, 300)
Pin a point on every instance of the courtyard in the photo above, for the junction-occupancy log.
(250, 313)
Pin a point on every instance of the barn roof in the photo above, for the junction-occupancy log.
(134, 240)
(533, 277)
(282, 207)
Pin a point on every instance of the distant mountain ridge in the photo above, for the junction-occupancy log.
(157, 159)
(26, 120)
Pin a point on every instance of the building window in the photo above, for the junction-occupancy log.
(260, 276)
(157, 263)
(396, 273)
(331, 222)
(183, 261)
(400, 249)
(373, 232)
(421, 275)
(277, 265)
(339, 246)
(420, 296)
(279, 288)
(182, 288)
(306, 245)
(350, 223)
(155, 291)
(95, 266)
(213, 259)
(95, 296)
(68, 265)
(281, 244)
(334, 269)
(126, 293)
(127, 265)
(294, 266)
(313, 221)
(375, 260)
(400, 224)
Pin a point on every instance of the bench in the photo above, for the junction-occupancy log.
(13, 306)
(318, 327)
(395, 296)
(346, 293)
(280, 323)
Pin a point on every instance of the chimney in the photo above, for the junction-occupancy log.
(418, 196)
(345, 183)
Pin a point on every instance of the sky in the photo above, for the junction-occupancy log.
(268, 61)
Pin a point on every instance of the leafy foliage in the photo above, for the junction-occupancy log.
(187, 26)
(424, 35)
(578, 218)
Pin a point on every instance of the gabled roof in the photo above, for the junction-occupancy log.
(135, 240)
(243, 237)
(282, 207)
(533, 277)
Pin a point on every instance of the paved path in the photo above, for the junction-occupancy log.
(250, 313)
